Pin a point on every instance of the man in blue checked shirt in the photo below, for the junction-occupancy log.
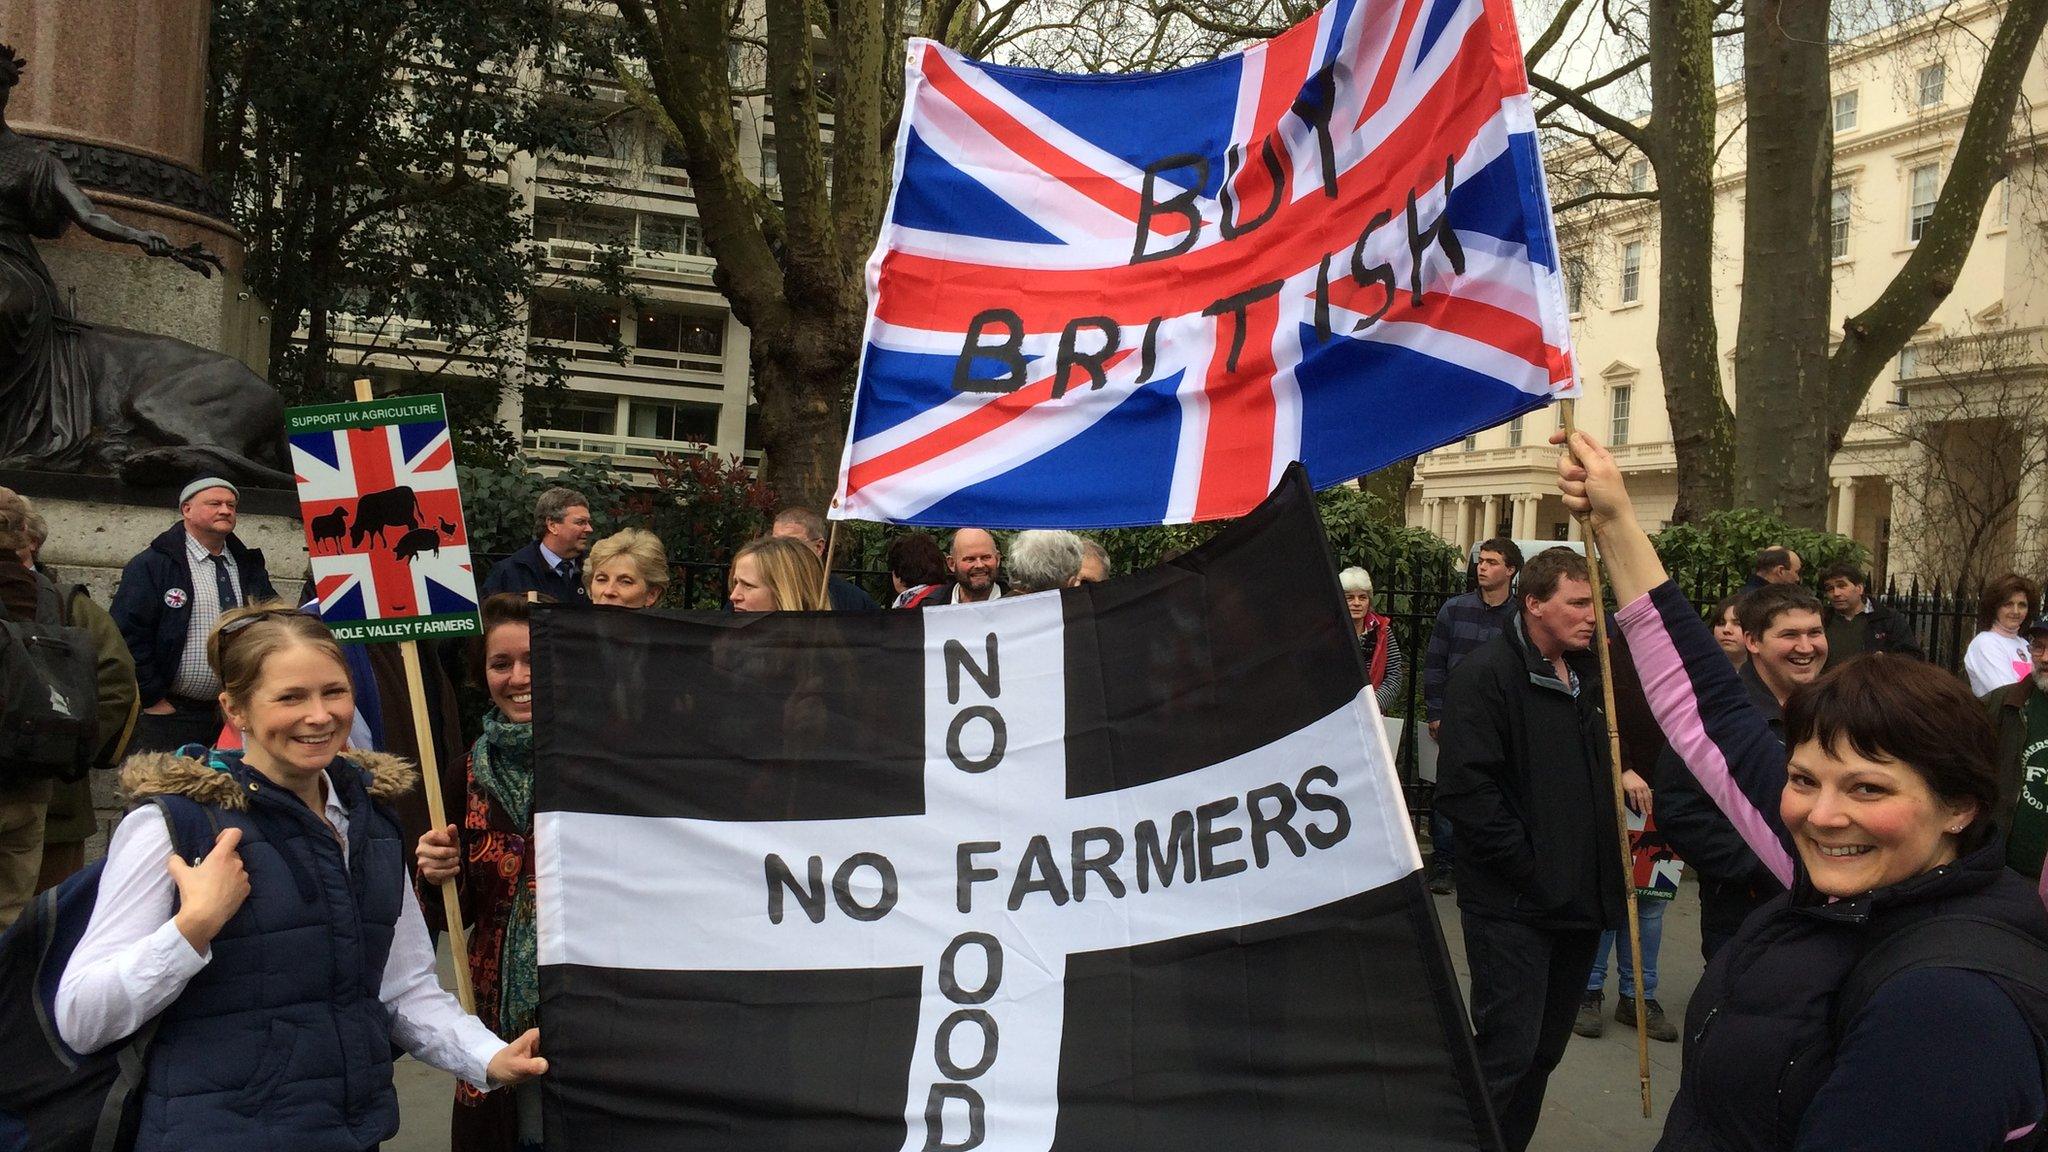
(1464, 623)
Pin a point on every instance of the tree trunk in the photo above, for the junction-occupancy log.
(1781, 343)
(803, 373)
(1682, 132)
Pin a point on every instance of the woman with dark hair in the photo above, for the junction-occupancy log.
(491, 860)
(1897, 995)
(1998, 655)
(917, 568)
(1727, 628)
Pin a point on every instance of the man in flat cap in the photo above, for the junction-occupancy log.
(170, 596)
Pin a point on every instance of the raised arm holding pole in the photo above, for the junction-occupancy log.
(1605, 650)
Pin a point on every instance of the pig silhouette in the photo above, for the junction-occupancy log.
(415, 542)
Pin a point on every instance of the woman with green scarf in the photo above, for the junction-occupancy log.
(491, 859)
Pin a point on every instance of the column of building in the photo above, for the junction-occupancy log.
(2031, 519)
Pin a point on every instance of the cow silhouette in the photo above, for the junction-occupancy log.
(415, 542)
(379, 511)
(332, 526)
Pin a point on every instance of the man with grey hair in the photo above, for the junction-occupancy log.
(1094, 562)
(1043, 560)
(551, 565)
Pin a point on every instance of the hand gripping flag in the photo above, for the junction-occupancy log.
(1116, 300)
(1120, 868)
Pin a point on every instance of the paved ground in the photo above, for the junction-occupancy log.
(1594, 1104)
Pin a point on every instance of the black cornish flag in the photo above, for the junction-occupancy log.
(1119, 869)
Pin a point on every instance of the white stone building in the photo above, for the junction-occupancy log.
(1900, 96)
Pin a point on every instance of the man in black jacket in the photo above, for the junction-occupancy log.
(170, 596)
(1788, 647)
(552, 564)
(1855, 623)
(1524, 779)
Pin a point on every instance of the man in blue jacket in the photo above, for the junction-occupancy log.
(553, 564)
(170, 596)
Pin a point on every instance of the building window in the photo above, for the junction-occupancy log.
(668, 337)
(590, 227)
(1515, 432)
(1932, 85)
(1639, 175)
(1909, 367)
(1632, 272)
(1838, 224)
(591, 415)
(1620, 398)
(672, 235)
(1471, 443)
(685, 422)
(1924, 184)
(1845, 111)
(564, 322)
(1575, 284)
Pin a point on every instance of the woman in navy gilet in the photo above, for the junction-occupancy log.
(1875, 813)
(280, 971)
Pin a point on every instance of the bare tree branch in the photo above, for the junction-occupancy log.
(1578, 102)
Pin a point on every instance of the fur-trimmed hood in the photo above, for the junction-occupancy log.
(147, 774)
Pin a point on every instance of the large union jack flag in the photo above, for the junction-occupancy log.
(384, 526)
(1116, 300)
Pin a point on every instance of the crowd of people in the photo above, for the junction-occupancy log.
(1837, 800)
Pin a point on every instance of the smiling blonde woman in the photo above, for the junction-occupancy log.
(285, 968)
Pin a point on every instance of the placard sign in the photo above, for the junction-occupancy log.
(384, 527)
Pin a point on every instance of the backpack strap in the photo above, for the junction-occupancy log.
(1969, 942)
(193, 827)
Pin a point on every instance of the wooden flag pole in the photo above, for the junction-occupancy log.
(1628, 868)
(430, 780)
(825, 581)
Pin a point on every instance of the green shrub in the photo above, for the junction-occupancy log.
(1714, 553)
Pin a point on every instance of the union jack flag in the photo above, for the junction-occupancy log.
(1101, 301)
(384, 526)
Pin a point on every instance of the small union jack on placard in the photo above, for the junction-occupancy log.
(384, 528)
(1114, 300)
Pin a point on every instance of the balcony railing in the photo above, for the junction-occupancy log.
(580, 254)
(633, 452)
(594, 445)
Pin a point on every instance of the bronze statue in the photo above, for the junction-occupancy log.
(79, 397)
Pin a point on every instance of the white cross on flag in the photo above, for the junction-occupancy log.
(1123, 867)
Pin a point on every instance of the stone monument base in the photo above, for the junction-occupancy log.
(97, 525)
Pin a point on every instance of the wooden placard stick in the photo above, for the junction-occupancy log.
(430, 781)
(825, 581)
(1628, 868)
